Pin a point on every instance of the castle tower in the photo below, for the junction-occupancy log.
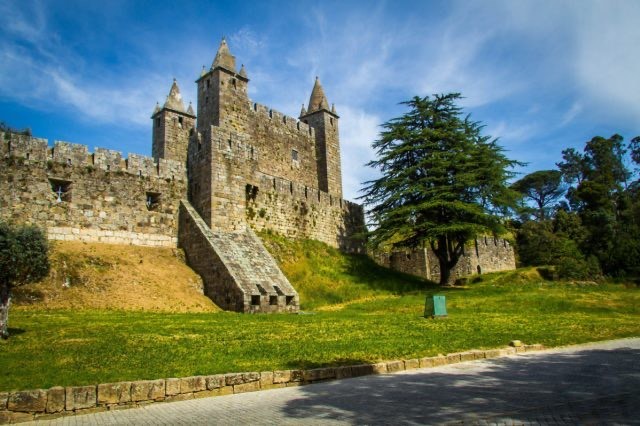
(325, 122)
(172, 125)
(221, 90)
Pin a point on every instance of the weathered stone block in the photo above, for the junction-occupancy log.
(467, 356)
(478, 354)
(240, 378)
(439, 360)
(266, 378)
(193, 384)
(534, 347)
(296, 375)
(33, 401)
(4, 397)
(215, 382)
(379, 368)
(492, 353)
(343, 372)
(507, 351)
(172, 386)
(395, 366)
(79, 397)
(246, 387)
(147, 390)
(411, 364)
(361, 370)
(282, 376)
(14, 417)
(318, 374)
(453, 358)
(55, 399)
(114, 393)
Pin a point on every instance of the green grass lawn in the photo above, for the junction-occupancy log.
(363, 314)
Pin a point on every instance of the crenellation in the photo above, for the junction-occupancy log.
(71, 154)
(141, 165)
(108, 160)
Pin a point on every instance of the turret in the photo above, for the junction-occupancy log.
(172, 125)
(220, 90)
(325, 122)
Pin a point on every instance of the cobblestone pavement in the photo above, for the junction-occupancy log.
(588, 384)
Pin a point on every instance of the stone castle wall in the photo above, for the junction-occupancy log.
(103, 196)
(483, 255)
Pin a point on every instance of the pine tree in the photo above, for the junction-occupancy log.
(442, 182)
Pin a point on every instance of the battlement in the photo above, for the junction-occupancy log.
(279, 118)
(78, 155)
(297, 191)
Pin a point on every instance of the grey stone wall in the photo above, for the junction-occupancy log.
(103, 196)
(482, 255)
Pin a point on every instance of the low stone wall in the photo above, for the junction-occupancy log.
(111, 237)
(20, 406)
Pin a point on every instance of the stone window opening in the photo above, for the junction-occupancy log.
(61, 189)
(270, 113)
(477, 251)
(251, 192)
(108, 167)
(294, 155)
(208, 83)
(153, 201)
(277, 289)
(255, 299)
(289, 300)
(206, 99)
(273, 300)
(291, 187)
(284, 119)
(479, 269)
(306, 192)
(298, 125)
(408, 256)
(331, 120)
(261, 289)
(140, 173)
(26, 156)
(255, 106)
(180, 121)
(229, 143)
(233, 81)
(68, 161)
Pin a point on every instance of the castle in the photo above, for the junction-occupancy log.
(213, 179)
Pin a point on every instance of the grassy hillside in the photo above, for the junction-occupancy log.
(105, 276)
(325, 278)
(355, 312)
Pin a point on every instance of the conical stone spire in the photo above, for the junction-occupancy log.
(190, 109)
(224, 58)
(174, 100)
(303, 111)
(243, 72)
(156, 109)
(318, 100)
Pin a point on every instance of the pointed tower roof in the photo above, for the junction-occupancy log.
(224, 58)
(174, 100)
(303, 111)
(156, 109)
(243, 72)
(318, 100)
(190, 109)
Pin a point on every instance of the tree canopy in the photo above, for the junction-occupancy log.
(543, 187)
(23, 259)
(442, 182)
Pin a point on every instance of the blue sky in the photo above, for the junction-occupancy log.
(541, 75)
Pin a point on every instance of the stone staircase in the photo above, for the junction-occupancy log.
(238, 273)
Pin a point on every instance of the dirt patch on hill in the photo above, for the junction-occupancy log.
(105, 276)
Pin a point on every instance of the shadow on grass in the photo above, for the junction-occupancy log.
(589, 386)
(16, 331)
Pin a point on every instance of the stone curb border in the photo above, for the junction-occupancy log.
(22, 406)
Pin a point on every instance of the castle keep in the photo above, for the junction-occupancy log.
(214, 178)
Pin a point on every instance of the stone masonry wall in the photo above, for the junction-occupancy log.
(103, 197)
(298, 211)
(483, 255)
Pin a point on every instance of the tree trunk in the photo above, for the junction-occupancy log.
(448, 253)
(5, 302)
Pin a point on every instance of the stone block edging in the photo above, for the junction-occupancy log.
(20, 406)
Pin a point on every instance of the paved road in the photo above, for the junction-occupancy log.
(587, 384)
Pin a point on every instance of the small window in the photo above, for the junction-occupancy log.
(208, 83)
(153, 201)
(331, 120)
(68, 161)
(273, 300)
(158, 122)
(61, 190)
(255, 300)
(289, 300)
(294, 155)
(180, 120)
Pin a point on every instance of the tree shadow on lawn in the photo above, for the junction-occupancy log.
(586, 386)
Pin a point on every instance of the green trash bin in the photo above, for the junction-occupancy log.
(435, 306)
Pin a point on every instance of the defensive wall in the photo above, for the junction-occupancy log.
(96, 197)
(482, 255)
